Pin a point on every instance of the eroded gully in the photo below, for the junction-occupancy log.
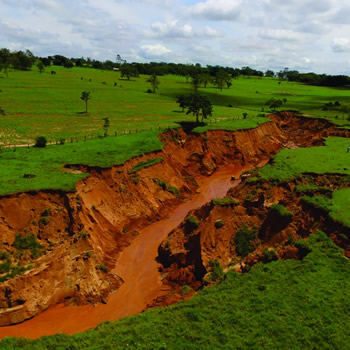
(136, 266)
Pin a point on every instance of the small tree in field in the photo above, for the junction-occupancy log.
(40, 141)
(154, 81)
(41, 66)
(274, 103)
(197, 105)
(85, 96)
(106, 126)
(2, 112)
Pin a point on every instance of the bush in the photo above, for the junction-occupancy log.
(40, 141)
(269, 255)
(102, 268)
(191, 223)
(243, 239)
(186, 290)
(44, 220)
(217, 273)
(224, 202)
(281, 211)
(173, 190)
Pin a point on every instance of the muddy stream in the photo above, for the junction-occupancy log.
(136, 266)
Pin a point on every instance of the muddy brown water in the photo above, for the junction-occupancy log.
(136, 266)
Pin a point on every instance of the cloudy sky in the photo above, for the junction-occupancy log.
(307, 35)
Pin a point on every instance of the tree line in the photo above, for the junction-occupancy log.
(24, 60)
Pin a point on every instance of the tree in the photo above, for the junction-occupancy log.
(22, 60)
(106, 126)
(154, 81)
(344, 109)
(85, 96)
(205, 79)
(41, 66)
(274, 103)
(197, 105)
(2, 112)
(182, 101)
(222, 78)
(195, 82)
(40, 141)
(269, 73)
(128, 71)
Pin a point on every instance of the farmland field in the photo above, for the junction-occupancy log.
(44, 104)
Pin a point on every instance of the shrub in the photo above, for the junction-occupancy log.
(28, 242)
(269, 255)
(102, 268)
(243, 239)
(191, 223)
(135, 180)
(83, 235)
(4, 255)
(186, 290)
(44, 220)
(173, 190)
(5, 267)
(224, 202)
(281, 210)
(46, 212)
(40, 141)
(217, 273)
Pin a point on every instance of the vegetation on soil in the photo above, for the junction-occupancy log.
(284, 304)
(244, 240)
(290, 163)
(48, 104)
(142, 165)
(224, 202)
(338, 207)
(46, 166)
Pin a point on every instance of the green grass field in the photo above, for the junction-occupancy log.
(291, 304)
(337, 207)
(290, 163)
(44, 104)
(45, 166)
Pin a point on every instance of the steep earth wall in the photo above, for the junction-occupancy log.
(83, 233)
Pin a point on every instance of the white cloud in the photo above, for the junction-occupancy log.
(299, 34)
(217, 10)
(157, 50)
(281, 34)
(176, 29)
(341, 45)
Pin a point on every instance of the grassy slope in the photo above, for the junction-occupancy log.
(329, 159)
(48, 104)
(47, 164)
(338, 207)
(290, 305)
(290, 163)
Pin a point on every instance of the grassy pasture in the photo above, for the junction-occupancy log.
(290, 163)
(45, 165)
(45, 104)
(287, 304)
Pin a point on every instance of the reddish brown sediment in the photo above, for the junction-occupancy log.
(136, 266)
(108, 221)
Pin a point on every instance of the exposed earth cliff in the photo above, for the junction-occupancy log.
(76, 238)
